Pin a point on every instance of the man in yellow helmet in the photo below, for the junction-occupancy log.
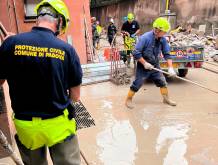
(41, 70)
(146, 52)
(130, 29)
(131, 26)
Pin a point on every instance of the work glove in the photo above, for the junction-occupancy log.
(171, 72)
(148, 66)
(133, 35)
(126, 34)
(71, 110)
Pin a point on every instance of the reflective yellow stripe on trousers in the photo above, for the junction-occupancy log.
(38, 133)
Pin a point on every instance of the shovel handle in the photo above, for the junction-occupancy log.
(192, 82)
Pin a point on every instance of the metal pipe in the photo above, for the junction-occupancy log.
(167, 5)
(3, 30)
(9, 15)
(84, 158)
(192, 82)
(4, 143)
(15, 13)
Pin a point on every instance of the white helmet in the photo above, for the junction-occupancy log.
(111, 20)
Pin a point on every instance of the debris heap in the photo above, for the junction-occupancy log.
(196, 38)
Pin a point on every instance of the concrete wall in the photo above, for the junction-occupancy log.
(193, 11)
(145, 11)
(196, 12)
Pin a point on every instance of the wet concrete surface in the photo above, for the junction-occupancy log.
(153, 133)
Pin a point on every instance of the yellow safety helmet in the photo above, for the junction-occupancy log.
(161, 24)
(60, 8)
(130, 17)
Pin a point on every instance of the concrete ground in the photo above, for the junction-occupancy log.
(152, 133)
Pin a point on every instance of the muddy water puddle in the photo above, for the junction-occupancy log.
(152, 133)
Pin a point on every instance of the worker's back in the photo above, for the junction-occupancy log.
(39, 69)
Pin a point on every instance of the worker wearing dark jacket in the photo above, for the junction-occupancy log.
(146, 52)
(111, 31)
(130, 29)
(41, 70)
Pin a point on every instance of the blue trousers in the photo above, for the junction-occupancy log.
(143, 74)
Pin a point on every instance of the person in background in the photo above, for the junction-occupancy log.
(125, 19)
(111, 32)
(44, 77)
(130, 29)
(94, 31)
(98, 35)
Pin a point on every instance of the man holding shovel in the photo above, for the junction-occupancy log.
(146, 52)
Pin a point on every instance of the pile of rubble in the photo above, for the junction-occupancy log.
(196, 38)
(182, 39)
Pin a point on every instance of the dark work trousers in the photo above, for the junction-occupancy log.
(142, 74)
(65, 153)
(110, 39)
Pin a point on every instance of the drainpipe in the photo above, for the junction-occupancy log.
(167, 5)
(15, 13)
(9, 15)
